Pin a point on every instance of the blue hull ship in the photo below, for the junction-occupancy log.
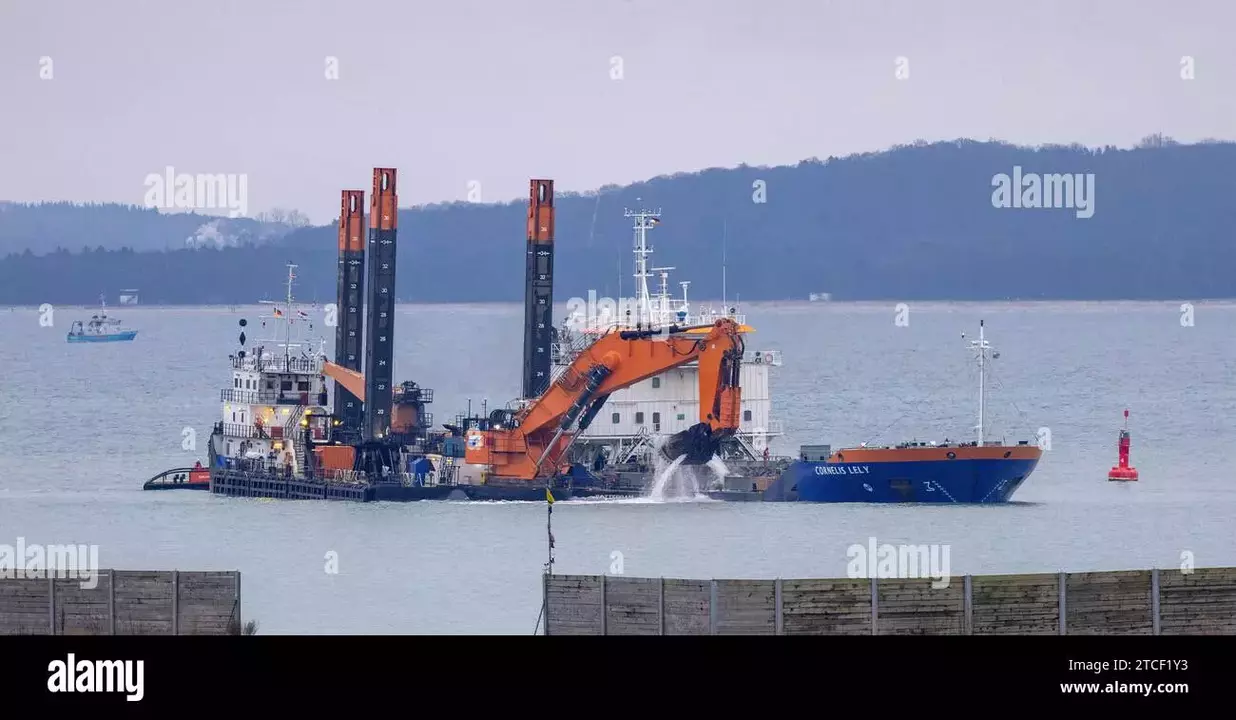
(100, 328)
(910, 474)
(106, 337)
(949, 472)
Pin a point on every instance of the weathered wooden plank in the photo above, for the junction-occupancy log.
(1015, 604)
(746, 607)
(1200, 602)
(632, 606)
(826, 607)
(1109, 603)
(687, 609)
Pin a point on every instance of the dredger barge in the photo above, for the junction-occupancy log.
(283, 435)
(279, 437)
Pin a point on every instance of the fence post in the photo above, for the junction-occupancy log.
(545, 599)
(661, 610)
(51, 594)
(969, 588)
(175, 602)
(111, 601)
(875, 606)
(1154, 598)
(777, 593)
(712, 608)
(1064, 583)
(604, 611)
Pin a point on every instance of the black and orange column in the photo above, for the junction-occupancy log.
(351, 302)
(539, 288)
(380, 305)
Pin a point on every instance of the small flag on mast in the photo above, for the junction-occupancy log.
(549, 496)
(278, 312)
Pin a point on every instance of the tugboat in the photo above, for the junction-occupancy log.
(277, 402)
(100, 328)
(948, 472)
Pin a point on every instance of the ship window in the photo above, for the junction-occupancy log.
(616, 417)
(656, 422)
(303, 386)
(656, 383)
(233, 416)
(270, 384)
(639, 418)
(285, 385)
(681, 416)
(236, 382)
(746, 415)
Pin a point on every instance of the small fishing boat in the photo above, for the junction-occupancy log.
(100, 328)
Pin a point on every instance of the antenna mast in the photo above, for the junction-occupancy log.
(982, 346)
(724, 237)
(287, 318)
(644, 219)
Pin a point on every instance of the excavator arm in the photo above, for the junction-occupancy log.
(351, 380)
(535, 442)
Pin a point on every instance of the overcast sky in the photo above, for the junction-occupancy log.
(499, 91)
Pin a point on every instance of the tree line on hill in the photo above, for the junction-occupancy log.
(919, 222)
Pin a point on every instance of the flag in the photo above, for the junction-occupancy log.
(278, 312)
(549, 496)
(303, 314)
(655, 221)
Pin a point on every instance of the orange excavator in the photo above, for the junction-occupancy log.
(531, 444)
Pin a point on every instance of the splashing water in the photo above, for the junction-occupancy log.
(675, 481)
(664, 476)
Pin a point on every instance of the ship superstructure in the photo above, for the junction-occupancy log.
(636, 418)
(278, 391)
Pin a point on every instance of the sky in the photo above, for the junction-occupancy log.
(469, 99)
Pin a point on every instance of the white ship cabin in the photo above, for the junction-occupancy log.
(265, 411)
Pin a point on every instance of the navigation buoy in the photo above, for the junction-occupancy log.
(1123, 471)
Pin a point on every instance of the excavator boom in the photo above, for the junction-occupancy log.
(353, 381)
(536, 442)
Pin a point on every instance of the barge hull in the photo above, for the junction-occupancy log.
(242, 483)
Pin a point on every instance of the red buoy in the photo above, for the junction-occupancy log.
(1123, 471)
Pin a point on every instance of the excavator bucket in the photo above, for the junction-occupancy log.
(697, 442)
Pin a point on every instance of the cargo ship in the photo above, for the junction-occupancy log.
(975, 472)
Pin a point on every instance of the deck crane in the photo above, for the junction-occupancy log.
(531, 444)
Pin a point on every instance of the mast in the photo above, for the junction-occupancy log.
(644, 219)
(982, 346)
(287, 318)
(724, 238)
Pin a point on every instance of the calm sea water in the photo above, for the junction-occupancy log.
(82, 426)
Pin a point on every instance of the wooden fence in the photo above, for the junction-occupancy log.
(122, 602)
(1138, 602)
